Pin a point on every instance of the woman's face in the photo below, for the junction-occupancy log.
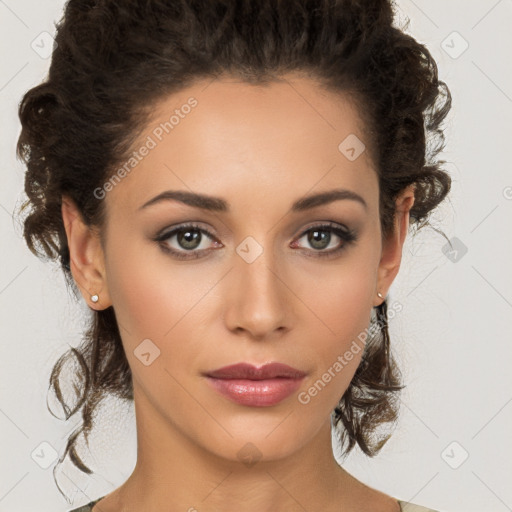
(266, 274)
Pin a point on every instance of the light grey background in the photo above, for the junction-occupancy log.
(452, 337)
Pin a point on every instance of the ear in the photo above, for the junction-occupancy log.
(86, 256)
(392, 246)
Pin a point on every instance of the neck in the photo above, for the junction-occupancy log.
(177, 473)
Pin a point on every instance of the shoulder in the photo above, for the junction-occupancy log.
(87, 507)
(83, 508)
(405, 506)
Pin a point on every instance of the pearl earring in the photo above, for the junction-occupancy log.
(380, 295)
(94, 298)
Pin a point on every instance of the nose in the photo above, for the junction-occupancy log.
(258, 300)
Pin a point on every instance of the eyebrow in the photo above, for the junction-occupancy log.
(217, 204)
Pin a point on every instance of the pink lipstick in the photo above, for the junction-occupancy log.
(248, 385)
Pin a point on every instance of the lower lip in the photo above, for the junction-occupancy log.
(256, 393)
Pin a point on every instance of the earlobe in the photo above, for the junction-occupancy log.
(85, 256)
(392, 247)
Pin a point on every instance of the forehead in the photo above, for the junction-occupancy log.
(225, 137)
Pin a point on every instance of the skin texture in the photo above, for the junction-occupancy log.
(260, 149)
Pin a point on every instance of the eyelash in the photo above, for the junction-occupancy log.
(348, 236)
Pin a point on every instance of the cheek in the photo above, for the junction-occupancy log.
(158, 301)
(340, 296)
(151, 293)
(342, 304)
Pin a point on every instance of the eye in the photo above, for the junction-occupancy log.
(189, 239)
(321, 237)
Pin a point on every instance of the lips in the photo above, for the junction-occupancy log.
(248, 385)
(248, 371)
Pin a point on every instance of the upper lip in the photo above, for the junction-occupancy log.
(251, 372)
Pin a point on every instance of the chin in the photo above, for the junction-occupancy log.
(260, 441)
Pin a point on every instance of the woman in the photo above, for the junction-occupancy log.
(229, 185)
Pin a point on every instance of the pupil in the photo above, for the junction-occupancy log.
(187, 239)
(318, 241)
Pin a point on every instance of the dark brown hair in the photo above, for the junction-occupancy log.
(114, 60)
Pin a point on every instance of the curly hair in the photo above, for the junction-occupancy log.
(113, 61)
